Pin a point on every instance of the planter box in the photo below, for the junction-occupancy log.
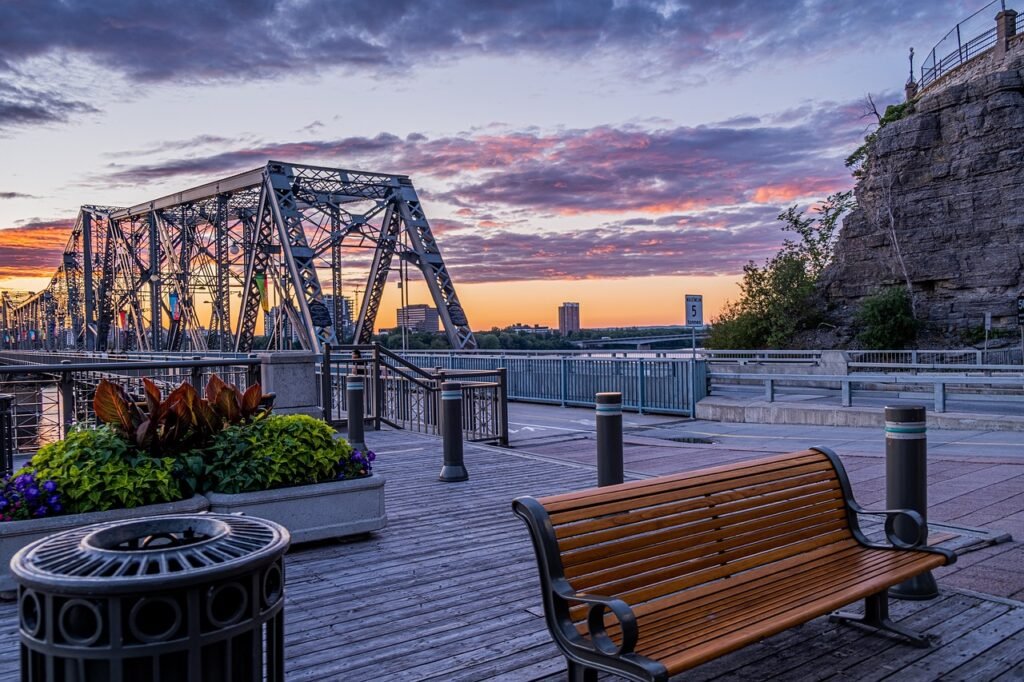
(313, 512)
(16, 534)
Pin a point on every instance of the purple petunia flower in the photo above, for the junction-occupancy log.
(53, 499)
(31, 493)
(41, 511)
(49, 486)
(371, 455)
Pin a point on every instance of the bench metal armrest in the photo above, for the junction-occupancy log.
(599, 639)
(920, 530)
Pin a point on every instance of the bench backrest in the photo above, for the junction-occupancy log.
(644, 540)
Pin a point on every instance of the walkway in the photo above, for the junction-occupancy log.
(448, 591)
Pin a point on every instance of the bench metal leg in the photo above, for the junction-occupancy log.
(580, 673)
(876, 619)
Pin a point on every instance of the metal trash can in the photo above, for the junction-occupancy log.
(171, 598)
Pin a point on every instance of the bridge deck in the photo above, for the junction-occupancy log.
(448, 591)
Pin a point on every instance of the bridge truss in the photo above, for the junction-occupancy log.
(194, 270)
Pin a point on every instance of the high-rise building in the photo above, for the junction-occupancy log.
(346, 312)
(568, 318)
(419, 318)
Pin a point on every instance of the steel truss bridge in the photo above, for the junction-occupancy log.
(193, 270)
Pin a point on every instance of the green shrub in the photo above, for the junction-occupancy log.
(96, 469)
(276, 451)
(778, 299)
(886, 320)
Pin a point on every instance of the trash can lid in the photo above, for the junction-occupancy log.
(154, 552)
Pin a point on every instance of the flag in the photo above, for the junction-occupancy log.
(261, 284)
(172, 298)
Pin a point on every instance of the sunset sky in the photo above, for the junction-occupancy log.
(619, 153)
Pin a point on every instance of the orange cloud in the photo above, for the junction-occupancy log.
(33, 250)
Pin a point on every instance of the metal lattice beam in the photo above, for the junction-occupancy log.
(264, 236)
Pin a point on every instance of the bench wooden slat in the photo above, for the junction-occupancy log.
(613, 583)
(698, 620)
(711, 544)
(624, 491)
(780, 512)
(700, 496)
(786, 618)
(649, 520)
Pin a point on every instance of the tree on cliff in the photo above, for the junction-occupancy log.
(776, 299)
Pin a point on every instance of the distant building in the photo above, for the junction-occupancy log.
(568, 318)
(419, 318)
(346, 312)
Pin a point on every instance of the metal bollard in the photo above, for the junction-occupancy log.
(609, 438)
(454, 468)
(906, 485)
(355, 387)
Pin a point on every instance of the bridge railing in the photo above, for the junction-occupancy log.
(404, 395)
(669, 385)
(51, 397)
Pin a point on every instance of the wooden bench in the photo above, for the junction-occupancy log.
(650, 578)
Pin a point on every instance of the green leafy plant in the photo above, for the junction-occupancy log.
(886, 320)
(777, 299)
(182, 421)
(97, 469)
(278, 451)
(893, 113)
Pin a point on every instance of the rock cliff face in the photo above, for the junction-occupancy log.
(941, 204)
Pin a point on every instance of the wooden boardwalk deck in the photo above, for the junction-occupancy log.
(448, 591)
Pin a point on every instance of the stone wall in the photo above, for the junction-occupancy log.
(952, 176)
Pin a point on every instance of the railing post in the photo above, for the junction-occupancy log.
(378, 389)
(195, 375)
(253, 377)
(564, 379)
(7, 433)
(66, 398)
(355, 388)
(847, 399)
(503, 404)
(906, 485)
(769, 390)
(642, 388)
(454, 468)
(940, 396)
(327, 385)
(609, 438)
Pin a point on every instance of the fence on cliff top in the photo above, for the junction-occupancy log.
(971, 37)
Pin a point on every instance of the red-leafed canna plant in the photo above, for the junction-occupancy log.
(183, 420)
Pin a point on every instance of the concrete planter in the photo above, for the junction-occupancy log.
(314, 512)
(16, 534)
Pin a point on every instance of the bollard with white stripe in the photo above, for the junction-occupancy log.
(906, 485)
(609, 438)
(454, 468)
(355, 389)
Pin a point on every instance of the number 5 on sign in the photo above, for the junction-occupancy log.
(694, 309)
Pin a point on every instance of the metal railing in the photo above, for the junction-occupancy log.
(669, 385)
(403, 395)
(971, 37)
(939, 384)
(969, 357)
(49, 398)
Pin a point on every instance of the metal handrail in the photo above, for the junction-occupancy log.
(961, 44)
